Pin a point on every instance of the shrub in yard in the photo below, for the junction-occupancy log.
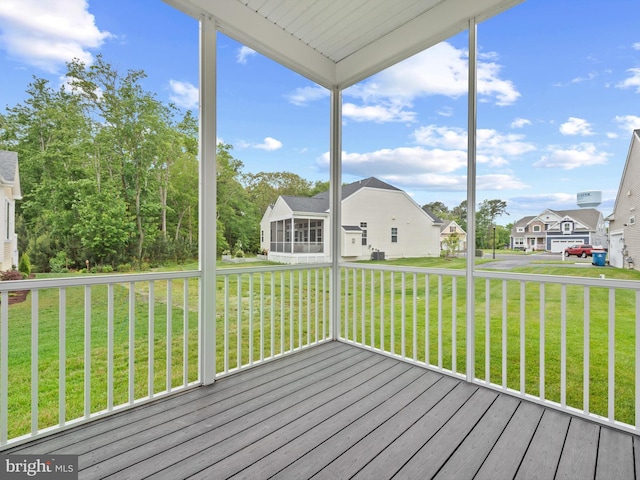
(11, 275)
(24, 265)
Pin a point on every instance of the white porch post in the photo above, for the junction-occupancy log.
(471, 200)
(335, 193)
(207, 199)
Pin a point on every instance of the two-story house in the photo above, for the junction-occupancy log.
(9, 193)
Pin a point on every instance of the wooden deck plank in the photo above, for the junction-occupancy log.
(370, 446)
(615, 455)
(400, 450)
(542, 457)
(175, 405)
(235, 417)
(338, 411)
(504, 459)
(436, 451)
(376, 408)
(469, 457)
(316, 457)
(580, 450)
(204, 453)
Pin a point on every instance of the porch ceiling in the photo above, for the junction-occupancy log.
(337, 43)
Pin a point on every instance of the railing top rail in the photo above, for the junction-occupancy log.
(400, 268)
(79, 281)
(559, 279)
(271, 268)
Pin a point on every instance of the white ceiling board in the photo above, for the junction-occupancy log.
(337, 43)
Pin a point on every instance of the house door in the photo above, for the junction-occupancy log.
(616, 249)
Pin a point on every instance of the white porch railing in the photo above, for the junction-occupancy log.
(79, 348)
(565, 342)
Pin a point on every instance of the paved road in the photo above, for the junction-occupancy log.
(514, 260)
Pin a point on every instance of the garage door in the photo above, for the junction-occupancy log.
(559, 245)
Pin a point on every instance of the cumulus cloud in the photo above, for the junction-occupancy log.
(636, 46)
(520, 122)
(576, 126)
(244, 53)
(49, 34)
(305, 95)
(633, 81)
(184, 94)
(269, 144)
(576, 156)
(628, 123)
(377, 113)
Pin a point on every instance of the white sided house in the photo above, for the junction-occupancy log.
(624, 231)
(379, 221)
(9, 193)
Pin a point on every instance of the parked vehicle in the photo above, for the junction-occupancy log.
(583, 250)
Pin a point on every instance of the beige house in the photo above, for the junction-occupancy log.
(452, 228)
(624, 233)
(378, 221)
(9, 193)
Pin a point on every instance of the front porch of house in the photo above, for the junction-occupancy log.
(339, 411)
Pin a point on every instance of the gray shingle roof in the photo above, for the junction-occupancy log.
(306, 204)
(8, 166)
(351, 188)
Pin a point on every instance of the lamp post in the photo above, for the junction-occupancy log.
(494, 242)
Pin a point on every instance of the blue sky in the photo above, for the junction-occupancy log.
(559, 96)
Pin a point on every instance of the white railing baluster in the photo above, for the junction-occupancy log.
(440, 339)
(282, 313)
(251, 326)
(316, 304)
(522, 339)
(637, 362)
(363, 309)
(354, 306)
(110, 329)
(504, 334)
(346, 303)
(273, 315)
(62, 356)
(372, 323)
(87, 346)
(4, 367)
(35, 360)
(427, 342)
(226, 324)
(300, 309)
(185, 333)
(542, 340)
(415, 317)
(563, 346)
(239, 322)
(261, 316)
(132, 341)
(454, 325)
(392, 314)
(586, 367)
(487, 330)
(382, 310)
(612, 354)
(151, 340)
(169, 352)
(403, 316)
(291, 311)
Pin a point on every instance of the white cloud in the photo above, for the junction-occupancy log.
(184, 94)
(633, 81)
(269, 144)
(582, 155)
(520, 122)
(636, 46)
(305, 95)
(377, 113)
(46, 34)
(492, 145)
(440, 70)
(499, 182)
(244, 53)
(628, 123)
(576, 126)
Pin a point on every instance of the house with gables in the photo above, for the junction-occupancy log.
(9, 193)
(447, 231)
(555, 230)
(624, 234)
(378, 221)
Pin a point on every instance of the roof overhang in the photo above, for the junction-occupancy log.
(337, 43)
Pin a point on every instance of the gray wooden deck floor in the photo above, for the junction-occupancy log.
(336, 411)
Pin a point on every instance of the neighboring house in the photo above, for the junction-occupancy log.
(9, 193)
(555, 230)
(451, 228)
(377, 219)
(624, 234)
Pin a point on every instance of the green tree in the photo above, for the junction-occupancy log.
(439, 209)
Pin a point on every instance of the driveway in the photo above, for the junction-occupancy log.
(508, 261)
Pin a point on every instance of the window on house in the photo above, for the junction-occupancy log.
(520, 229)
(566, 227)
(363, 227)
(536, 228)
(394, 235)
(452, 229)
(632, 220)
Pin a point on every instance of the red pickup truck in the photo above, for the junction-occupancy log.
(583, 250)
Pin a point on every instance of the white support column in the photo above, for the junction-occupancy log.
(335, 193)
(207, 199)
(471, 199)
